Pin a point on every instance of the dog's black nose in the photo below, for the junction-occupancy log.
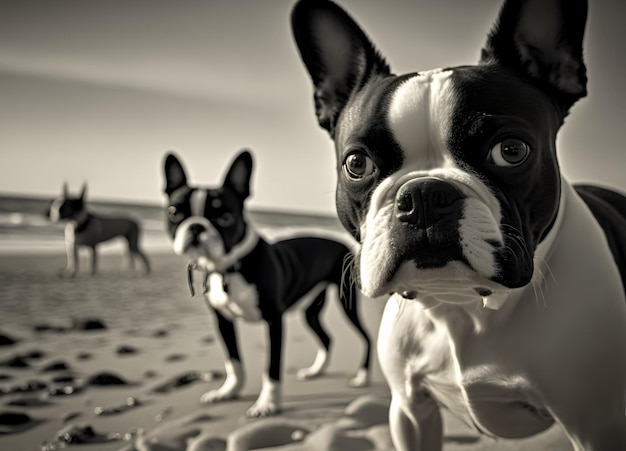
(196, 229)
(423, 202)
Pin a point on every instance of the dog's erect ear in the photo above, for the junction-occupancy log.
(339, 56)
(65, 191)
(174, 174)
(83, 191)
(543, 39)
(238, 176)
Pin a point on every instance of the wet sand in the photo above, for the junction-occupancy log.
(120, 360)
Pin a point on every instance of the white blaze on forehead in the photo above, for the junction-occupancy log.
(419, 117)
(198, 202)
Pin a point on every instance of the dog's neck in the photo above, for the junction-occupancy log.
(232, 258)
(80, 220)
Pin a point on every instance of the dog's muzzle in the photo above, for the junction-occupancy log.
(198, 236)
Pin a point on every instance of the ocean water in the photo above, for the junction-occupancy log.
(25, 228)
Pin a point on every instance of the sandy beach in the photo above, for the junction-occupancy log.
(120, 360)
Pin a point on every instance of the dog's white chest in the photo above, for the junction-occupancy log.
(233, 297)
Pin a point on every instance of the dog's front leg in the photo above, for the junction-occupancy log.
(269, 400)
(71, 268)
(94, 260)
(235, 375)
(415, 427)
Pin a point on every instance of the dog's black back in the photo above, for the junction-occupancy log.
(609, 209)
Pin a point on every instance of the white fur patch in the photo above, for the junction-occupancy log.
(240, 302)
(419, 117)
(198, 202)
(476, 227)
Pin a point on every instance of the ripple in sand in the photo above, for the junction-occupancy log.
(70, 416)
(126, 350)
(175, 357)
(29, 402)
(64, 379)
(58, 365)
(84, 356)
(88, 324)
(6, 340)
(67, 390)
(105, 378)
(185, 379)
(130, 403)
(12, 422)
(17, 361)
(43, 327)
(35, 354)
(26, 387)
(75, 434)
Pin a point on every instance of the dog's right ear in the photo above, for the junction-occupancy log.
(83, 192)
(239, 174)
(339, 56)
(174, 174)
(65, 191)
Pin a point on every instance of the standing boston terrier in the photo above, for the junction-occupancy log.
(246, 278)
(506, 302)
(87, 229)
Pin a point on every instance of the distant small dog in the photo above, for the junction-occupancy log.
(87, 229)
(247, 278)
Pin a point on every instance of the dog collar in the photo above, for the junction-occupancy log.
(82, 224)
(229, 263)
(239, 250)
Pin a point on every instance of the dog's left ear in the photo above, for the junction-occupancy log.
(339, 56)
(542, 39)
(239, 174)
(174, 174)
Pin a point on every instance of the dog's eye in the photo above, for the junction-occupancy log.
(357, 166)
(175, 214)
(226, 219)
(509, 152)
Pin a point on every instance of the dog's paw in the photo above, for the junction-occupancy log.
(218, 395)
(317, 369)
(269, 401)
(67, 274)
(263, 409)
(362, 379)
(306, 374)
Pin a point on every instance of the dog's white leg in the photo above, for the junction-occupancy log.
(72, 260)
(269, 400)
(318, 367)
(361, 378)
(235, 379)
(415, 427)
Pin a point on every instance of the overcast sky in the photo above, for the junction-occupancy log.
(99, 90)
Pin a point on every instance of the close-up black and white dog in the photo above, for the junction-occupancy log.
(87, 229)
(506, 282)
(247, 278)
